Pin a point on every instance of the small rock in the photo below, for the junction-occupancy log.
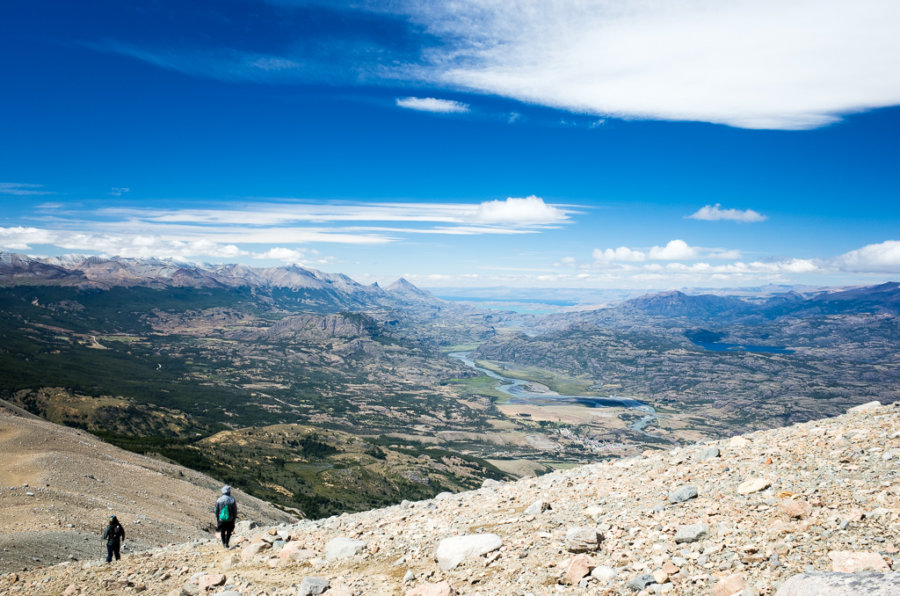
(439, 589)
(682, 494)
(409, 576)
(640, 582)
(537, 508)
(850, 562)
(708, 453)
(753, 485)
(579, 566)
(456, 549)
(730, 585)
(738, 443)
(490, 483)
(582, 540)
(207, 581)
(795, 508)
(603, 573)
(691, 533)
(252, 550)
(311, 586)
(866, 407)
(342, 548)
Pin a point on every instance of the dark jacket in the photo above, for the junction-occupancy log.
(226, 501)
(114, 534)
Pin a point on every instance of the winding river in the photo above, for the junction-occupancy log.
(521, 392)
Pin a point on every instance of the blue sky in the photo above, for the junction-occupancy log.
(601, 144)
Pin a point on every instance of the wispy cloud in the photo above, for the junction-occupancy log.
(776, 64)
(716, 213)
(527, 212)
(23, 190)
(748, 63)
(277, 230)
(432, 104)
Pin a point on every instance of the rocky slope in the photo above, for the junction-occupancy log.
(58, 486)
(741, 516)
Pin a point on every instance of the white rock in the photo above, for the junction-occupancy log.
(456, 549)
(341, 548)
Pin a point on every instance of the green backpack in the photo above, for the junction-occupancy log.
(225, 514)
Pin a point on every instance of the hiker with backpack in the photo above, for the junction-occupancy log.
(115, 538)
(226, 513)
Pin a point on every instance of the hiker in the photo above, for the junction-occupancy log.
(226, 513)
(115, 538)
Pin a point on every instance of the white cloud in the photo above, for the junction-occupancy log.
(674, 250)
(716, 213)
(779, 64)
(22, 190)
(287, 255)
(22, 238)
(529, 211)
(431, 104)
(874, 258)
(623, 253)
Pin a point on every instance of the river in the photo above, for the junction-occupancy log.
(519, 392)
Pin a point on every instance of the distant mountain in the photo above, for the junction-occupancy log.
(883, 298)
(305, 285)
(678, 304)
(404, 289)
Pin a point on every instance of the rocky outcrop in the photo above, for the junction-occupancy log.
(826, 522)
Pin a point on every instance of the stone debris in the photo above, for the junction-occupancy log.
(826, 522)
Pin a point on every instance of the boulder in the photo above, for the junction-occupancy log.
(841, 584)
(456, 549)
(341, 548)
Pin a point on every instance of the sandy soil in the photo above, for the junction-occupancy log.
(59, 485)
